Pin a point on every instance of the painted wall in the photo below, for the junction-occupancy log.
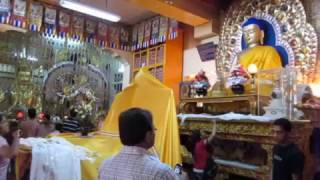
(127, 59)
(192, 63)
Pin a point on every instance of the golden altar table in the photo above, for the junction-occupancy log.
(249, 131)
(246, 103)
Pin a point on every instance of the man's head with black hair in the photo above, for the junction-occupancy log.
(32, 113)
(47, 118)
(136, 128)
(281, 129)
(73, 113)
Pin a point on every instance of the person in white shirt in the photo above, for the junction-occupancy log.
(134, 162)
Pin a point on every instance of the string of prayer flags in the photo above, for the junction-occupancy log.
(40, 17)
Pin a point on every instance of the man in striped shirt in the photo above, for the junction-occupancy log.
(134, 161)
(72, 123)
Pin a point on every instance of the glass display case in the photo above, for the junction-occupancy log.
(41, 72)
(277, 92)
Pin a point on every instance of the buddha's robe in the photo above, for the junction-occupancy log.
(265, 58)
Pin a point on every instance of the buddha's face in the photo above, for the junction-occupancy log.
(252, 34)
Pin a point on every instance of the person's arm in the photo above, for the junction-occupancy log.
(213, 133)
(297, 165)
(10, 151)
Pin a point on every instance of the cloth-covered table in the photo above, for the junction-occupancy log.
(103, 146)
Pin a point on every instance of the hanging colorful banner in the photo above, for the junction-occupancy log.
(147, 33)
(163, 31)
(64, 24)
(35, 17)
(102, 34)
(77, 27)
(18, 18)
(124, 39)
(50, 17)
(173, 29)
(155, 30)
(134, 37)
(114, 33)
(140, 35)
(90, 33)
(144, 34)
(5, 7)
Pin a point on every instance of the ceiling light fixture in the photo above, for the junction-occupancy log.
(170, 2)
(85, 9)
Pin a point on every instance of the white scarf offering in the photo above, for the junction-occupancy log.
(55, 158)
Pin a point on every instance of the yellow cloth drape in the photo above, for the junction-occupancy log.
(145, 92)
(265, 58)
(148, 93)
(105, 146)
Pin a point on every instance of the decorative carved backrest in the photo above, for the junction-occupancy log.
(286, 29)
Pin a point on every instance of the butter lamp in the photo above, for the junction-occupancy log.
(252, 69)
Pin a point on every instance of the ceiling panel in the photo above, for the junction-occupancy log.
(130, 13)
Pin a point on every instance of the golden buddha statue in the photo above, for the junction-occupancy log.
(264, 57)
